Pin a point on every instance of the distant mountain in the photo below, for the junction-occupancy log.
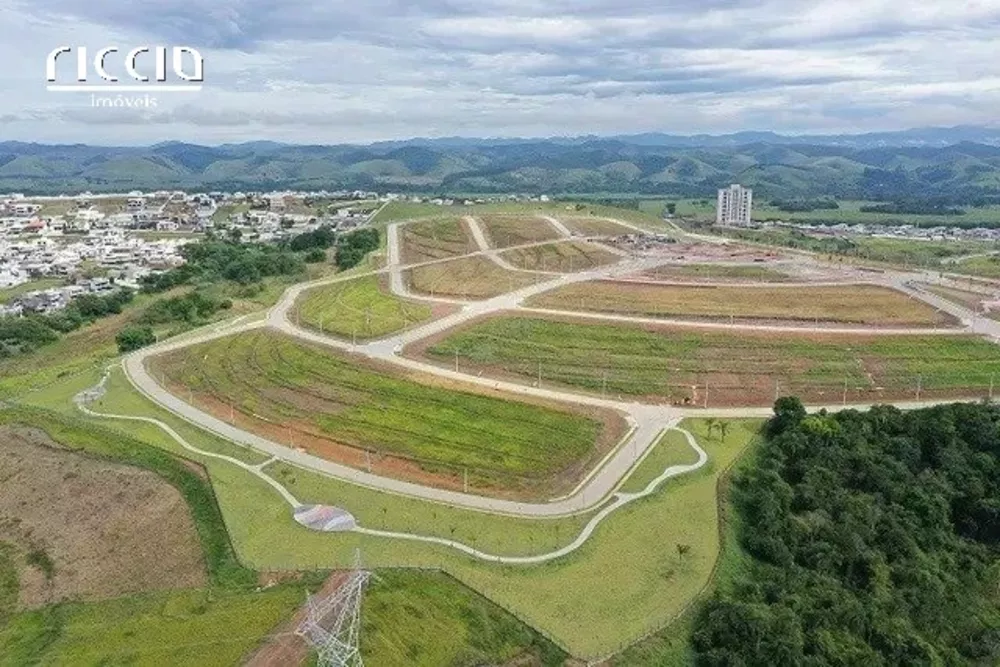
(955, 163)
(928, 137)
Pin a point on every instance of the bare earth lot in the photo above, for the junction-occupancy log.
(505, 231)
(594, 226)
(848, 304)
(561, 257)
(468, 278)
(101, 530)
(435, 239)
(717, 273)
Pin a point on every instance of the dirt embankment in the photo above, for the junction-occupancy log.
(87, 529)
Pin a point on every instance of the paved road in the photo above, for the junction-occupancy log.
(334, 519)
(646, 421)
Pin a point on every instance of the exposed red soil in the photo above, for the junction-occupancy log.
(304, 436)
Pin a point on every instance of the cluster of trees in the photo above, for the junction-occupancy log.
(19, 335)
(214, 261)
(132, 338)
(914, 207)
(874, 540)
(353, 246)
(319, 239)
(192, 308)
(805, 205)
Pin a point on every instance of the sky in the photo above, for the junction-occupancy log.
(333, 71)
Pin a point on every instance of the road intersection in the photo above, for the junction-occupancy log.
(646, 421)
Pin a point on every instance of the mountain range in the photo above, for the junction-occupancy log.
(954, 163)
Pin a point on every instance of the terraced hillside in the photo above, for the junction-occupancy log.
(347, 410)
(745, 368)
(847, 304)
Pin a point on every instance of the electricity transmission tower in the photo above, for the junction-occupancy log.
(333, 621)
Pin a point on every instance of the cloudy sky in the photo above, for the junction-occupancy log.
(330, 71)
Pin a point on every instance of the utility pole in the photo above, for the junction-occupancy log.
(706, 392)
(456, 360)
(465, 481)
(845, 391)
(604, 384)
(368, 460)
(991, 385)
(777, 389)
(539, 374)
(920, 379)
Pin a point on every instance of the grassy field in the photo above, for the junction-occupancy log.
(323, 400)
(849, 212)
(562, 257)
(848, 304)
(646, 217)
(986, 267)
(171, 627)
(593, 226)
(358, 308)
(427, 619)
(504, 231)
(435, 239)
(200, 628)
(219, 625)
(468, 278)
(671, 646)
(718, 272)
(746, 368)
(671, 449)
(559, 598)
(886, 251)
(30, 286)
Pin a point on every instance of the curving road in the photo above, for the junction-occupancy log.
(646, 421)
(344, 522)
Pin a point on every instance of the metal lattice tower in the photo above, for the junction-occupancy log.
(332, 622)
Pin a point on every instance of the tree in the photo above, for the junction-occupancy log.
(711, 423)
(133, 338)
(671, 207)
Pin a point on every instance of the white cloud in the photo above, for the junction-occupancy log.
(323, 71)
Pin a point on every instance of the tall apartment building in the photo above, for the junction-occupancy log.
(734, 206)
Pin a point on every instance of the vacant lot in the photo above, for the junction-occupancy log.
(746, 368)
(504, 231)
(87, 529)
(113, 520)
(434, 239)
(717, 272)
(469, 278)
(337, 407)
(358, 308)
(562, 257)
(594, 226)
(971, 300)
(849, 304)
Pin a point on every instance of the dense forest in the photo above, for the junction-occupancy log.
(874, 540)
